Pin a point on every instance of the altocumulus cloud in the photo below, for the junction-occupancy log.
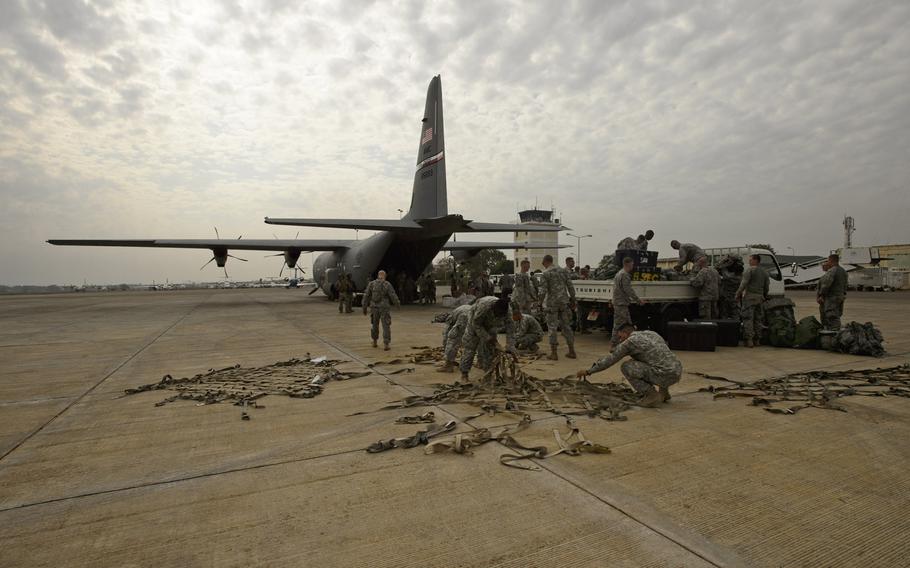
(718, 123)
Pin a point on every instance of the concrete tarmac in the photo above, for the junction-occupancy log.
(89, 477)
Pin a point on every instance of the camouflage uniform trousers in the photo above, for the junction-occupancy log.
(383, 315)
(472, 345)
(621, 317)
(753, 314)
(344, 302)
(707, 309)
(528, 342)
(560, 316)
(453, 342)
(643, 378)
(831, 312)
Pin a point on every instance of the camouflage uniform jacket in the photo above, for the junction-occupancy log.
(755, 281)
(823, 284)
(344, 285)
(524, 290)
(627, 243)
(380, 295)
(484, 322)
(707, 281)
(507, 282)
(623, 294)
(644, 346)
(528, 325)
(556, 288)
(458, 319)
(689, 253)
(835, 286)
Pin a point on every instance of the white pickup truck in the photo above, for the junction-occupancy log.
(665, 301)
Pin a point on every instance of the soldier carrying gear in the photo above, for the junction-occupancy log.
(832, 289)
(487, 315)
(453, 334)
(651, 371)
(623, 296)
(557, 298)
(707, 282)
(687, 253)
(379, 297)
(345, 293)
(753, 290)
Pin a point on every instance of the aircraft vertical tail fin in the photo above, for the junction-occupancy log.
(428, 199)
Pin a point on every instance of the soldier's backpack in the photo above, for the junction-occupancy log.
(859, 339)
(780, 330)
(807, 333)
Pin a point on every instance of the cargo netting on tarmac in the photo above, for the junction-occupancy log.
(815, 389)
(505, 387)
(242, 386)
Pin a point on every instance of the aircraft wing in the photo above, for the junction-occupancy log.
(477, 226)
(364, 224)
(464, 245)
(233, 244)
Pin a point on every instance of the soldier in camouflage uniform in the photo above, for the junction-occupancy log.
(524, 292)
(623, 296)
(570, 269)
(379, 297)
(687, 253)
(651, 371)
(730, 269)
(823, 283)
(753, 291)
(557, 296)
(345, 293)
(453, 334)
(831, 294)
(528, 333)
(487, 316)
(707, 282)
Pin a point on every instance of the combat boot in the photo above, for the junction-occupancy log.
(571, 353)
(553, 356)
(651, 399)
(464, 377)
(386, 347)
(447, 367)
(664, 393)
(374, 343)
(749, 343)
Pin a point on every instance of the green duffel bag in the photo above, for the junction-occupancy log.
(807, 333)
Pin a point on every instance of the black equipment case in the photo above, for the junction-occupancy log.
(692, 336)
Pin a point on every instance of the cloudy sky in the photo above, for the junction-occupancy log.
(719, 123)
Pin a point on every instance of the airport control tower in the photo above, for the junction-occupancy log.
(537, 217)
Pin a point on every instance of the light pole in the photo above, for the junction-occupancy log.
(578, 247)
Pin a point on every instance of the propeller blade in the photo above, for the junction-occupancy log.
(271, 255)
(313, 291)
(238, 258)
(225, 272)
(240, 237)
(216, 233)
(297, 236)
(207, 263)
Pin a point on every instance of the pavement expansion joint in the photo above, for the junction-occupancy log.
(111, 373)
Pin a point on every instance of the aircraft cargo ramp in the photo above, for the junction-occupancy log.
(90, 477)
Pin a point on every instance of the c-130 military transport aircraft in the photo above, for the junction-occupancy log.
(407, 245)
